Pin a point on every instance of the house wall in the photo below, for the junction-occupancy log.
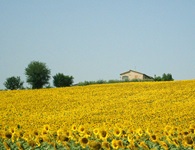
(132, 75)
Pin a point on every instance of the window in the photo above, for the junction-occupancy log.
(125, 78)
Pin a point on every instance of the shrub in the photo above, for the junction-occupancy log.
(61, 80)
(13, 83)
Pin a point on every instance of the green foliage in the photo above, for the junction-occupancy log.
(158, 78)
(61, 80)
(165, 77)
(13, 83)
(37, 74)
(109, 82)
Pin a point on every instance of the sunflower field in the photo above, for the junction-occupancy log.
(134, 115)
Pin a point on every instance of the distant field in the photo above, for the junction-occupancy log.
(131, 107)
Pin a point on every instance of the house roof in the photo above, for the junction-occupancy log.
(136, 72)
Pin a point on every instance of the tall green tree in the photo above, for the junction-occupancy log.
(61, 80)
(13, 83)
(37, 74)
(167, 77)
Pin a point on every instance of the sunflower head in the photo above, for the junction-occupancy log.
(8, 134)
(12, 130)
(84, 141)
(120, 143)
(167, 128)
(188, 141)
(21, 134)
(35, 132)
(46, 138)
(192, 126)
(59, 132)
(81, 129)
(19, 145)
(46, 127)
(96, 131)
(94, 145)
(74, 128)
(32, 143)
(63, 138)
(144, 145)
(153, 138)
(115, 144)
(163, 144)
(175, 142)
(103, 134)
(106, 145)
(117, 132)
(38, 140)
(44, 132)
(139, 132)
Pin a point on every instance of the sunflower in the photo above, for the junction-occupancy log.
(153, 138)
(103, 134)
(46, 138)
(62, 138)
(32, 143)
(192, 130)
(94, 145)
(114, 144)
(88, 133)
(96, 131)
(83, 141)
(12, 130)
(59, 132)
(167, 128)
(44, 131)
(81, 129)
(164, 145)
(46, 127)
(175, 142)
(68, 133)
(192, 126)
(74, 128)
(117, 132)
(133, 145)
(38, 140)
(148, 131)
(188, 141)
(129, 138)
(6, 145)
(139, 132)
(19, 145)
(144, 145)
(15, 137)
(35, 132)
(106, 145)
(8, 134)
(120, 143)
(185, 133)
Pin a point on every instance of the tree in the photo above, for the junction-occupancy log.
(37, 74)
(167, 77)
(158, 78)
(13, 83)
(61, 80)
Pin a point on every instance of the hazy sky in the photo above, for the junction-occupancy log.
(94, 39)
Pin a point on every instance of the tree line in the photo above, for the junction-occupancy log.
(38, 76)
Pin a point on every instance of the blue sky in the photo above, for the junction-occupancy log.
(93, 40)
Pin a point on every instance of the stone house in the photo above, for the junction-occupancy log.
(131, 75)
